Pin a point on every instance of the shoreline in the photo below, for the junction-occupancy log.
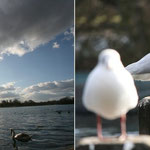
(33, 105)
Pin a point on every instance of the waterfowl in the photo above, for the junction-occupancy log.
(110, 91)
(59, 111)
(23, 137)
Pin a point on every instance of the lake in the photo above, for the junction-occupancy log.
(49, 129)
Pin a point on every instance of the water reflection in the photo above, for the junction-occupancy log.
(15, 145)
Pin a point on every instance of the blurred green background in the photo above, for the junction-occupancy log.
(123, 25)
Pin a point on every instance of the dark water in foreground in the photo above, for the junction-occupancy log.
(49, 130)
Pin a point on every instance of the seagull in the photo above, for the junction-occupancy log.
(23, 137)
(140, 70)
(110, 91)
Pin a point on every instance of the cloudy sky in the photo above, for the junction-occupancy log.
(36, 49)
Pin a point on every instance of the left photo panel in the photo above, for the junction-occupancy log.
(37, 75)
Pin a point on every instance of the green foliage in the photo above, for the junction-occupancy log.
(123, 25)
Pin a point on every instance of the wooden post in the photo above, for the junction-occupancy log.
(144, 116)
(141, 142)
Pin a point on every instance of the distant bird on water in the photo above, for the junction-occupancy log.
(110, 91)
(140, 69)
(23, 137)
(59, 111)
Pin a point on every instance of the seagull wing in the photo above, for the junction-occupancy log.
(140, 69)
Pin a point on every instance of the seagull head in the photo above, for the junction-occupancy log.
(110, 59)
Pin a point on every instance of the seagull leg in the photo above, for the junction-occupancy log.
(123, 127)
(99, 128)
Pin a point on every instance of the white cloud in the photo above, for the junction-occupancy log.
(66, 33)
(40, 92)
(8, 86)
(49, 90)
(69, 34)
(56, 45)
(72, 31)
(9, 91)
(26, 25)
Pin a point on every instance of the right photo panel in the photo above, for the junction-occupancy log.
(112, 79)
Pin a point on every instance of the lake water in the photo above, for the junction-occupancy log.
(49, 129)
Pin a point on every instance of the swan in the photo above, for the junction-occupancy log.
(110, 91)
(23, 137)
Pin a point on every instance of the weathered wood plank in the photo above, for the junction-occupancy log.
(141, 142)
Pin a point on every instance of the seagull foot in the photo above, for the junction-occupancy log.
(100, 137)
(123, 137)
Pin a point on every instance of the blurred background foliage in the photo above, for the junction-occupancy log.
(123, 25)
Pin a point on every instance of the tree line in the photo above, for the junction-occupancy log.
(18, 103)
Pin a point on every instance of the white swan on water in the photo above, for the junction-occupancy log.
(109, 90)
(23, 137)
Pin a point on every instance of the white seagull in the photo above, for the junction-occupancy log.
(110, 91)
(140, 70)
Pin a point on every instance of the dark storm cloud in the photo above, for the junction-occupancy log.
(26, 24)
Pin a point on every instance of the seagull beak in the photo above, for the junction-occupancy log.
(109, 64)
